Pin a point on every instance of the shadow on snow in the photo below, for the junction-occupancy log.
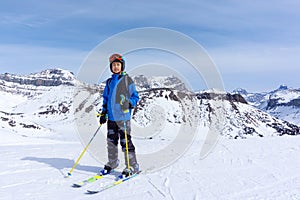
(62, 163)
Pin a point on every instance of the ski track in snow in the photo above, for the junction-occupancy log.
(256, 168)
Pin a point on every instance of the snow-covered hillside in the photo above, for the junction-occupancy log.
(283, 103)
(39, 121)
(242, 120)
(30, 103)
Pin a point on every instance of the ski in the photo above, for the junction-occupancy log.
(114, 183)
(90, 179)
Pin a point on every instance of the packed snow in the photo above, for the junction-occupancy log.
(257, 168)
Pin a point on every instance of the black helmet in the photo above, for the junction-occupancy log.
(117, 58)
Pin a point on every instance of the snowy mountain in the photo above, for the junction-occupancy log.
(49, 96)
(243, 120)
(283, 103)
(50, 77)
(32, 101)
(36, 83)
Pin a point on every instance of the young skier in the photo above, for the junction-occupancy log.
(119, 98)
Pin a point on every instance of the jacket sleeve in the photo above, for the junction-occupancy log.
(105, 98)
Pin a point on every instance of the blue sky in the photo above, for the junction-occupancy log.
(255, 44)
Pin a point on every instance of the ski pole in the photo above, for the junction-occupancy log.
(126, 146)
(84, 150)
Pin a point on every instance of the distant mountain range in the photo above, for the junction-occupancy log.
(283, 103)
(33, 101)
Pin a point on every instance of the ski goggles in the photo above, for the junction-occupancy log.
(115, 57)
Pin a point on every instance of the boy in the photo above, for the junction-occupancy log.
(119, 98)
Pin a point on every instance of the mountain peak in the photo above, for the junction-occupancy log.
(240, 91)
(55, 73)
(143, 83)
(282, 87)
(48, 77)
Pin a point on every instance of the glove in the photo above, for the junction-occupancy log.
(103, 118)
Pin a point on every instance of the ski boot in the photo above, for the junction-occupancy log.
(108, 168)
(132, 170)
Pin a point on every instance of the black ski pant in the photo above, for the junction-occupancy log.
(115, 131)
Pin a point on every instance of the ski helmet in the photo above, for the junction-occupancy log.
(117, 58)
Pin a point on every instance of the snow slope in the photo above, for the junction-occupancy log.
(34, 169)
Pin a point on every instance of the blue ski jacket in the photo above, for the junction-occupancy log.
(117, 87)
